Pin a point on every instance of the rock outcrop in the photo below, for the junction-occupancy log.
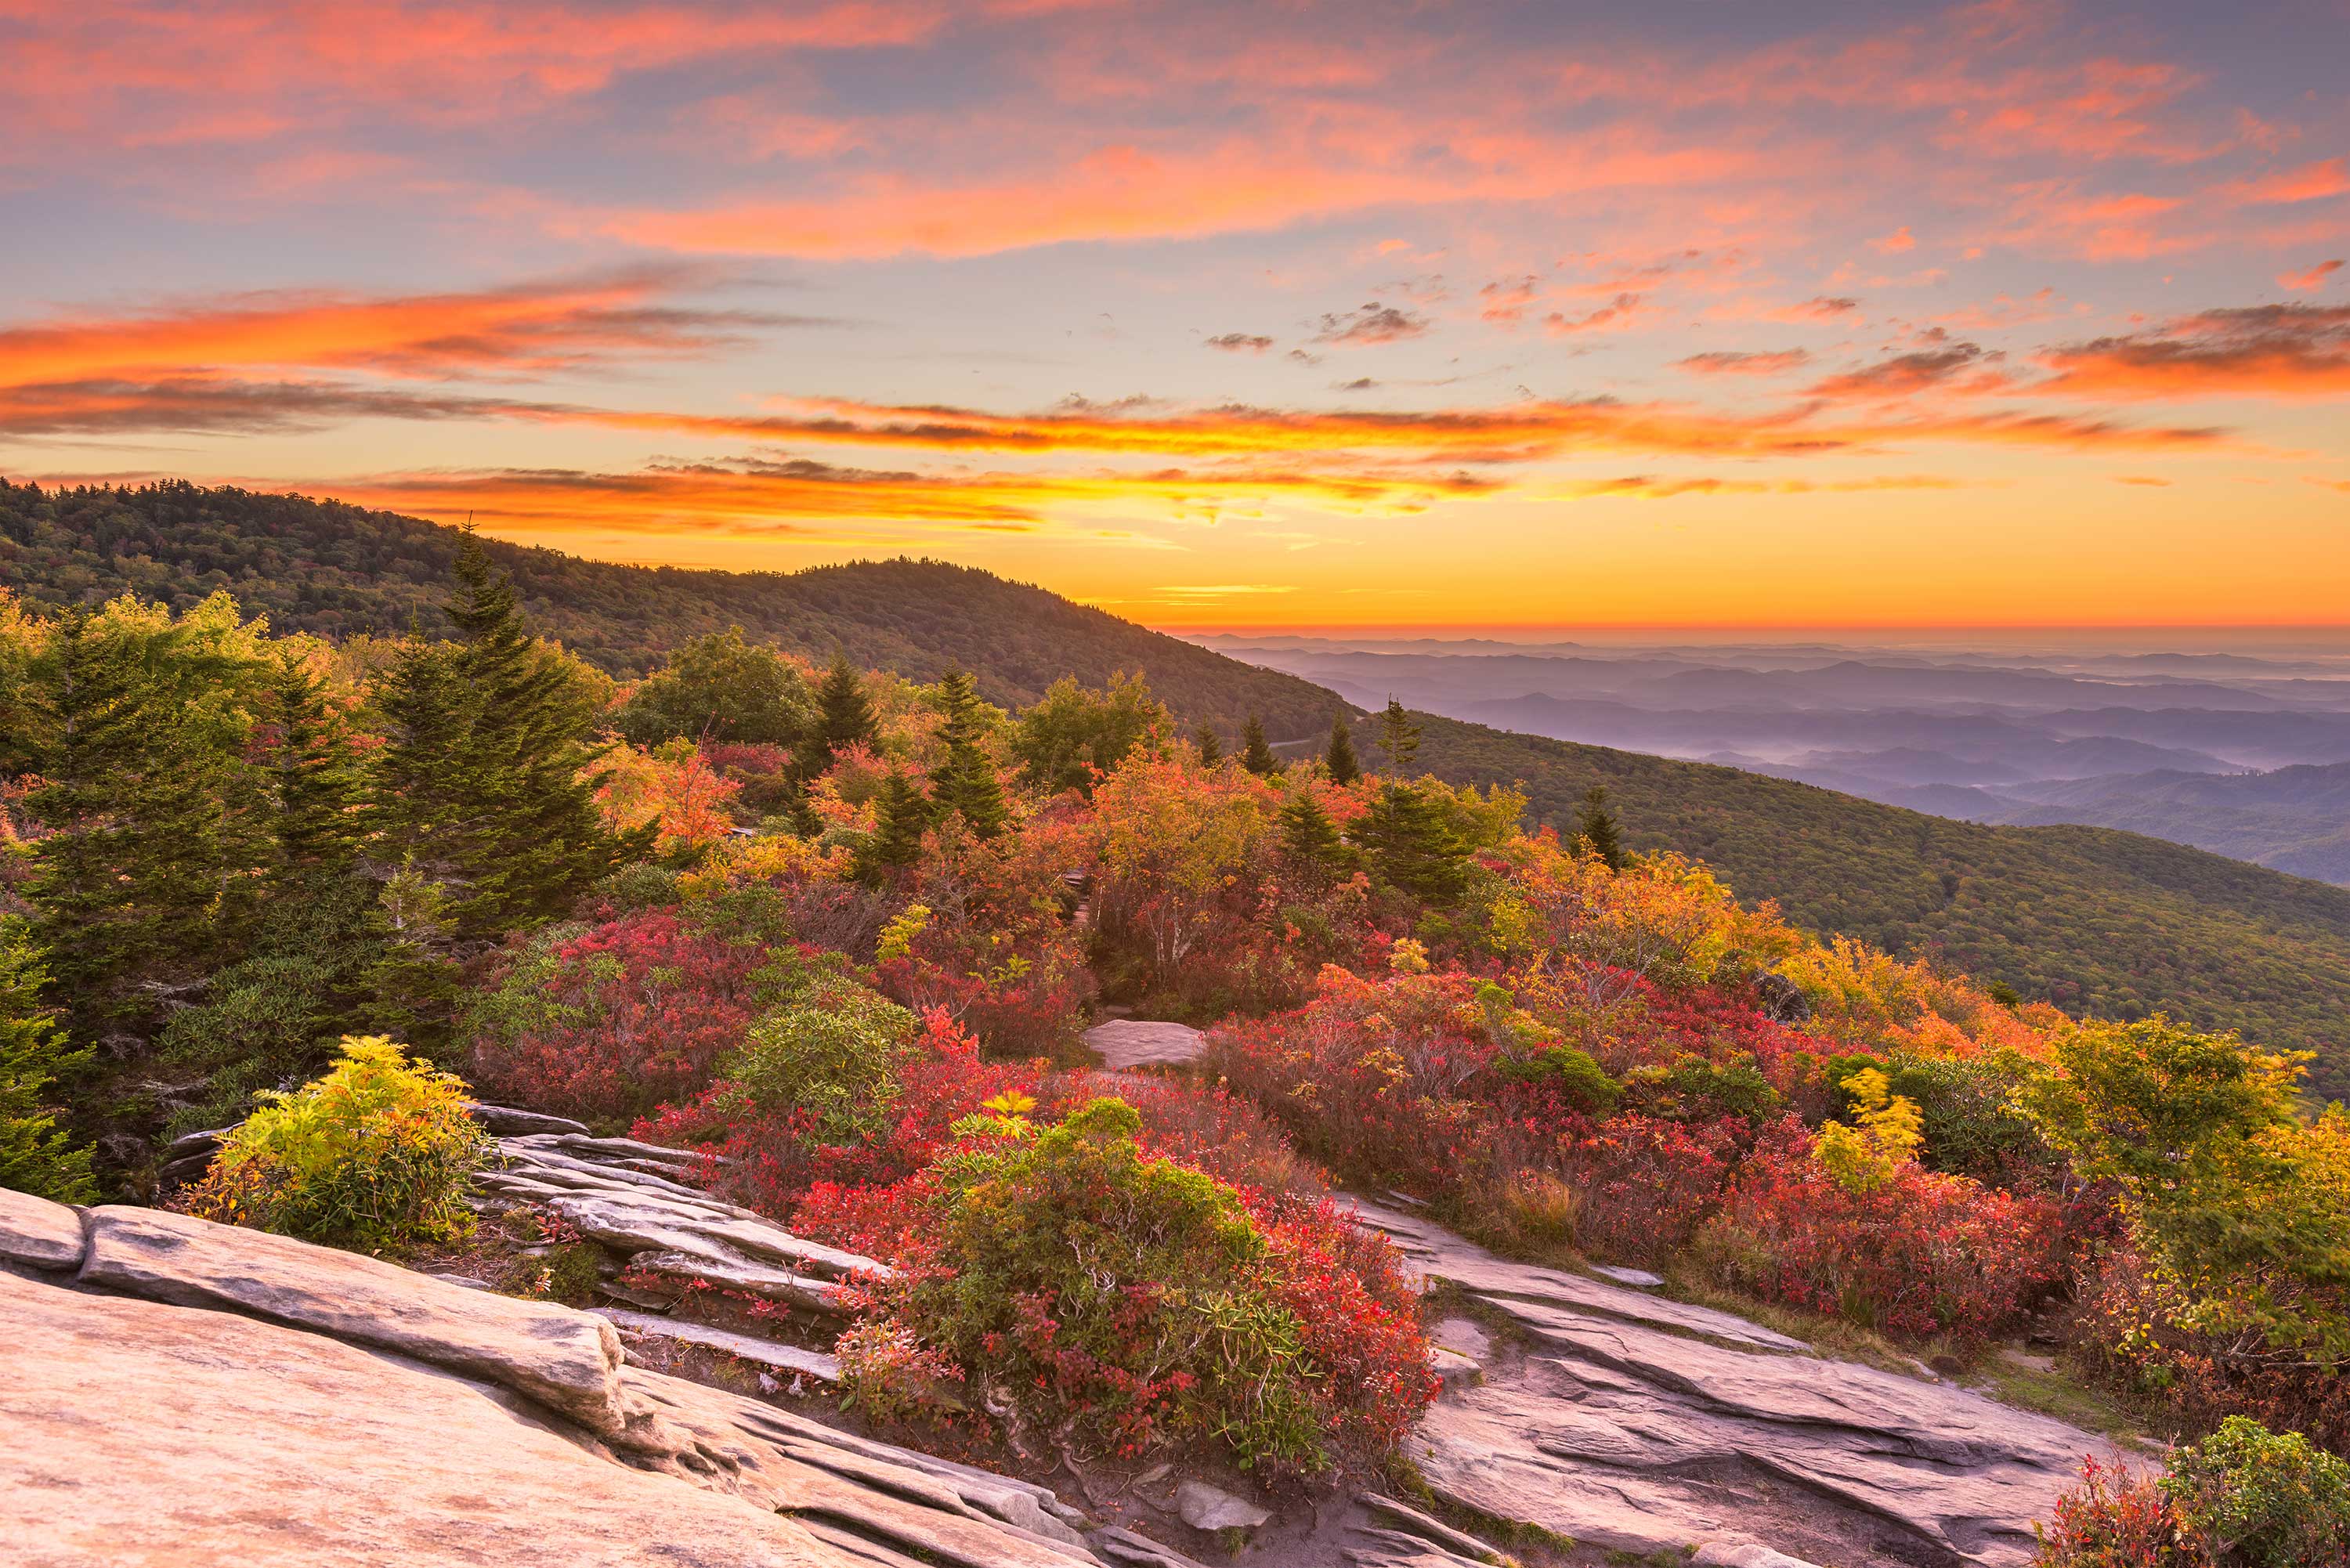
(180, 1391)
(1634, 1423)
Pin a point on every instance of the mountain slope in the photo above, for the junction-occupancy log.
(2295, 819)
(325, 567)
(2094, 919)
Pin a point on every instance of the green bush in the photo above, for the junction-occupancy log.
(2244, 1497)
(2247, 1495)
(833, 1058)
(375, 1154)
(1568, 1071)
(1692, 1088)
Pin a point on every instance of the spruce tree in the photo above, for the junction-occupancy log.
(146, 877)
(312, 774)
(1409, 838)
(36, 1156)
(1399, 738)
(1310, 840)
(843, 718)
(1212, 746)
(484, 770)
(273, 1016)
(966, 781)
(1256, 754)
(1340, 758)
(1596, 830)
(901, 815)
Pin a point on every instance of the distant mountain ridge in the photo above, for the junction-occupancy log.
(333, 569)
(2094, 919)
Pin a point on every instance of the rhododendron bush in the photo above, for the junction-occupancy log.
(1122, 1301)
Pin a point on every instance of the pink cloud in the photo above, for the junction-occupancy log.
(2313, 279)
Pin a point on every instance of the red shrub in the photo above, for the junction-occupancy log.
(769, 1162)
(1924, 1253)
(613, 1021)
(2116, 1519)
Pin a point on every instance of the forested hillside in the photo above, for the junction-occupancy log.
(2095, 921)
(325, 567)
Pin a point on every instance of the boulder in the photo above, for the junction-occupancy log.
(566, 1360)
(35, 1234)
(1125, 1043)
(1211, 1508)
(1716, 1554)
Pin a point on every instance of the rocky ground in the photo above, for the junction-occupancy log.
(192, 1390)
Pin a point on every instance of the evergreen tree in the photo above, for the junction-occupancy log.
(966, 781)
(1340, 758)
(35, 1155)
(1412, 845)
(1212, 746)
(271, 1018)
(901, 815)
(1310, 840)
(1595, 828)
(1256, 754)
(843, 718)
(483, 775)
(1399, 738)
(313, 777)
(148, 875)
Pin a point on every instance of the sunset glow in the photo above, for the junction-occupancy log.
(1994, 314)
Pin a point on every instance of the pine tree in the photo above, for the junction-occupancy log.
(1399, 738)
(1340, 758)
(1412, 845)
(1310, 840)
(35, 1156)
(843, 718)
(902, 814)
(1256, 754)
(483, 775)
(1596, 830)
(966, 782)
(1212, 746)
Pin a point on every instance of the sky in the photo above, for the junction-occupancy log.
(1259, 315)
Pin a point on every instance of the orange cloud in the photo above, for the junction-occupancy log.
(535, 327)
(1617, 312)
(757, 496)
(2266, 351)
(2310, 182)
(1897, 241)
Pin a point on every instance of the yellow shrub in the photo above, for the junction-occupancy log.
(378, 1152)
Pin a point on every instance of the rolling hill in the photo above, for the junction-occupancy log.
(325, 567)
(2095, 919)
